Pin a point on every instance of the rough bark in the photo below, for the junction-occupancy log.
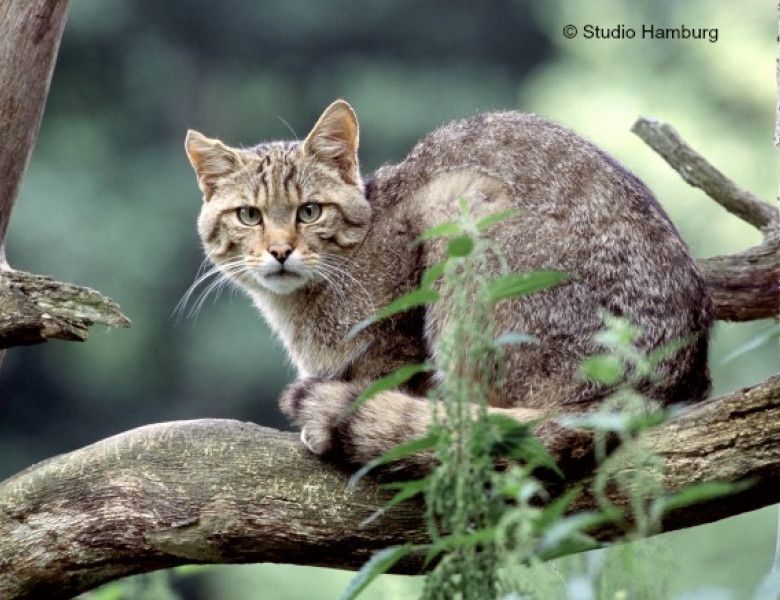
(34, 308)
(214, 491)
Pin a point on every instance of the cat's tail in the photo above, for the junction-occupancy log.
(333, 427)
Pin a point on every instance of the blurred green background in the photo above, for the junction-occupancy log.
(109, 200)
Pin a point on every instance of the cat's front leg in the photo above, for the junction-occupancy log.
(333, 426)
(318, 406)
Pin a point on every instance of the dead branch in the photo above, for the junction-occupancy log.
(34, 308)
(698, 172)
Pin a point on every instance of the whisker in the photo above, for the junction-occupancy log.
(222, 272)
(327, 276)
(332, 261)
(217, 286)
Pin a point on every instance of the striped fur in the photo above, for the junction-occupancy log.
(583, 214)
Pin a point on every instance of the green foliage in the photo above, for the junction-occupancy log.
(604, 368)
(464, 516)
(403, 450)
(512, 285)
(516, 441)
(461, 518)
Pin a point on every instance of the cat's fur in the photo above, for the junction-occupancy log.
(584, 214)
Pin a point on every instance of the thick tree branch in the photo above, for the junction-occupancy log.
(744, 286)
(214, 491)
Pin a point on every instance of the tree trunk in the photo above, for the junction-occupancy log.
(30, 33)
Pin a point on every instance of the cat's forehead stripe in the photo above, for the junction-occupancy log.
(276, 170)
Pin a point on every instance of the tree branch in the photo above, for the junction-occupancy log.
(744, 286)
(215, 491)
(698, 172)
(34, 308)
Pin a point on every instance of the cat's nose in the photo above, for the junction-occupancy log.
(280, 251)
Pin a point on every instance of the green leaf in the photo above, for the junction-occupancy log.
(413, 299)
(416, 446)
(438, 231)
(504, 424)
(432, 274)
(619, 422)
(620, 332)
(669, 350)
(695, 494)
(406, 491)
(497, 217)
(460, 246)
(555, 510)
(577, 543)
(520, 284)
(512, 337)
(377, 565)
(654, 419)
(603, 368)
(391, 381)
(517, 441)
(598, 421)
(569, 533)
(480, 536)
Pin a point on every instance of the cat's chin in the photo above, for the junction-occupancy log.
(283, 282)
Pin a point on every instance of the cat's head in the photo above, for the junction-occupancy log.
(275, 216)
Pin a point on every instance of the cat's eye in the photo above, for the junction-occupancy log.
(250, 215)
(309, 212)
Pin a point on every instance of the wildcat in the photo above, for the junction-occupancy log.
(318, 249)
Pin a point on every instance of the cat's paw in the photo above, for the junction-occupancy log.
(320, 407)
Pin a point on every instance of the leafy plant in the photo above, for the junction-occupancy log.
(465, 497)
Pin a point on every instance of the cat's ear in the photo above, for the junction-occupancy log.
(334, 140)
(211, 160)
